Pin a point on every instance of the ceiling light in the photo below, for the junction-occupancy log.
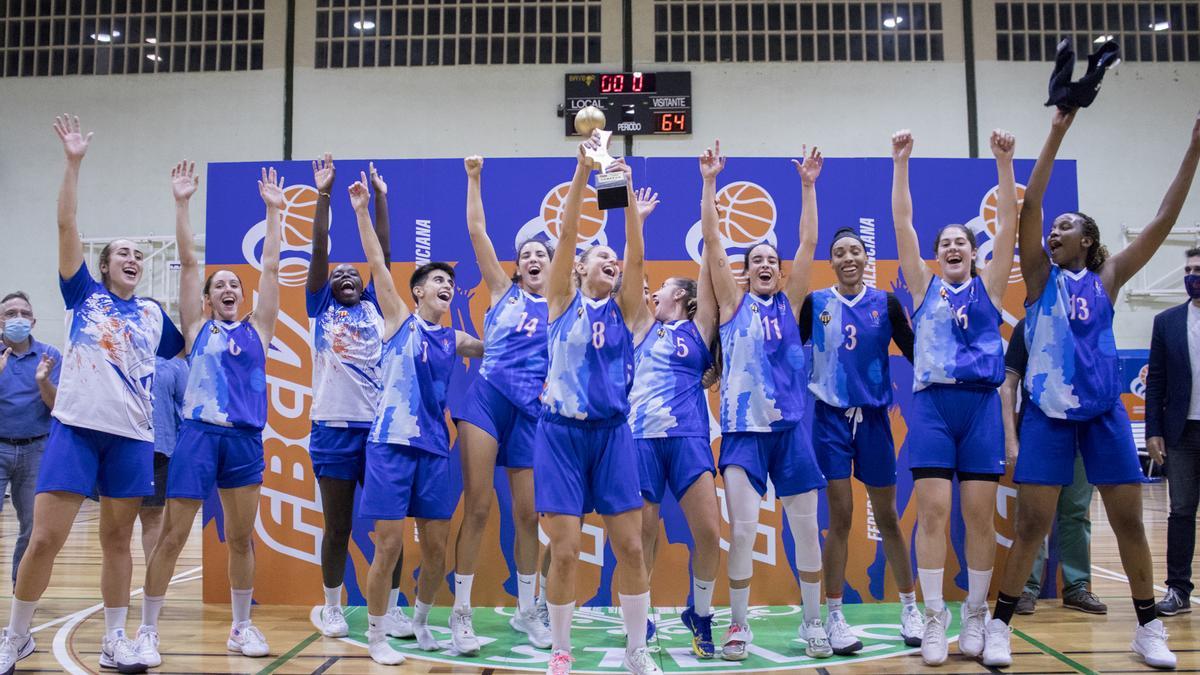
(154, 57)
(151, 41)
(365, 24)
(892, 22)
(1103, 38)
(1161, 25)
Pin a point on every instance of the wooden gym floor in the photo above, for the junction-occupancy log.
(69, 621)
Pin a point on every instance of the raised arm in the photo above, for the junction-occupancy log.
(270, 188)
(1128, 261)
(706, 303)
(485, 253)
(1035, 262)
(468, 346)
(184, 182)
(75, 146)
(916, 272)
(395, 310)
(558, 283)
(809, 168)
(631, 299)
(995, 274)
(726, 293)
(318, 267)
(383, 222)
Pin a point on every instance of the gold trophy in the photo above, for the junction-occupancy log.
(611, 191)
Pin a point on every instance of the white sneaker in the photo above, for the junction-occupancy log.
(398, 624)
(912, 625)
(841, 637)
(1150, 643)
(816, 640)
(639, 662)
(736, 642)
(425, 639)
(13, 648)
(997, 644)
(462, 633)
(970, 640)
(119, 653)
(381, 652)
(560, 663)
(543, 612)
(146, 644)
(531, 625)
(333, 622)
(246, 639)
(933, 642)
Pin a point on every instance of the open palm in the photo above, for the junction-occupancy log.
(75, 144)
(270, 188)
(184, 180)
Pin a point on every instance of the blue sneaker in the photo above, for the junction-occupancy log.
(701, 627)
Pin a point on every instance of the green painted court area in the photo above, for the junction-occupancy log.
(598, 639)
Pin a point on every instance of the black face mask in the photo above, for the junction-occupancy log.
(1068, 95)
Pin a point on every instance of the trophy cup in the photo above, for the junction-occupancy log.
(611, 191)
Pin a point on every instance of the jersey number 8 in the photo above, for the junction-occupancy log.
(598, 334)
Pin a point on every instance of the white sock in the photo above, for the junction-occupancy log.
(634, 609)
(375, 623)
(525, 585)
(151, 606)
(462, 591)
(702, 592)
(909, 599)
(240, 602)
(421, 612)
(739, 604)
(560, 625)
(834, 604)
(810, 596)
(393, 598)
(20, 616)
(114, 619)
(931, 588)
(977, 587)
(542, 597)
(333, 596)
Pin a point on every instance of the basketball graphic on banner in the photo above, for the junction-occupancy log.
(746, 213)
(591, 217)
(296, 228)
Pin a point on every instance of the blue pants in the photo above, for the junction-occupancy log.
(858, 438)
(208, 455)
(338, 451)
(1105, 442)
(402, 481)
(578, 467)
(784, 456)
(957, 427)
(90, 463)
(514, 431)
(673, 462)
(19, 470)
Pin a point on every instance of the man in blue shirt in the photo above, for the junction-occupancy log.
(170, 382)
(28, 385)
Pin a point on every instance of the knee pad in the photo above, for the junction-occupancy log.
(741, 549)
(802, 518)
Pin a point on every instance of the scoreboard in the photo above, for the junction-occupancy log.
(633, 103)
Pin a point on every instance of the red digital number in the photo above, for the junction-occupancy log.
(672, 122)
(612, 84)
(638, 82)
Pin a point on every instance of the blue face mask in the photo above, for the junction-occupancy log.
(1192, 283)
(16, 330)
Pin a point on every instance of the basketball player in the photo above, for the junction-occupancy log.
(224, 412)
(584, 449)
(102, 435)
(347, 344)
(958, 364)
(762, 401)
(499, 422)
(850, 326)
(1073, 381)
(407, 460)
(669, 418)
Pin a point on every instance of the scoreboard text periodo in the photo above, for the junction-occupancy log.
(633, 103)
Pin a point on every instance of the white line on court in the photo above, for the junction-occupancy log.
(1117, 576)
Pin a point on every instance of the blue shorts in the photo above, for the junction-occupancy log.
(338, 450)
(1048, 449)
(86, 461)
(514, 431)
(580, 466)
(860, 436)
(677, 462)
(405, 482)
(956, 427)
(208, 454)
(785, 456)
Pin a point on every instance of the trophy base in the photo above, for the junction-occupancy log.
(611, 191)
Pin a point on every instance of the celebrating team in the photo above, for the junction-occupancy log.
(583, 377)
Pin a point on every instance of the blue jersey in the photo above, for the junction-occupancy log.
(1073, 368)
(417, 363)
(850, 338)
(227, 382)
(762, 388)
(347, 346)
(515, 355)
(666, 399)
(957, 336)
(591, 362)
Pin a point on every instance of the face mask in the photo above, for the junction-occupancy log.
(1192, 283)
(16, 330)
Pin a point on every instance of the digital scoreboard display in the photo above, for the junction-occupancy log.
(633, 103)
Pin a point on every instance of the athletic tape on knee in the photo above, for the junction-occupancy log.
(801, 512)
(741, 549)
